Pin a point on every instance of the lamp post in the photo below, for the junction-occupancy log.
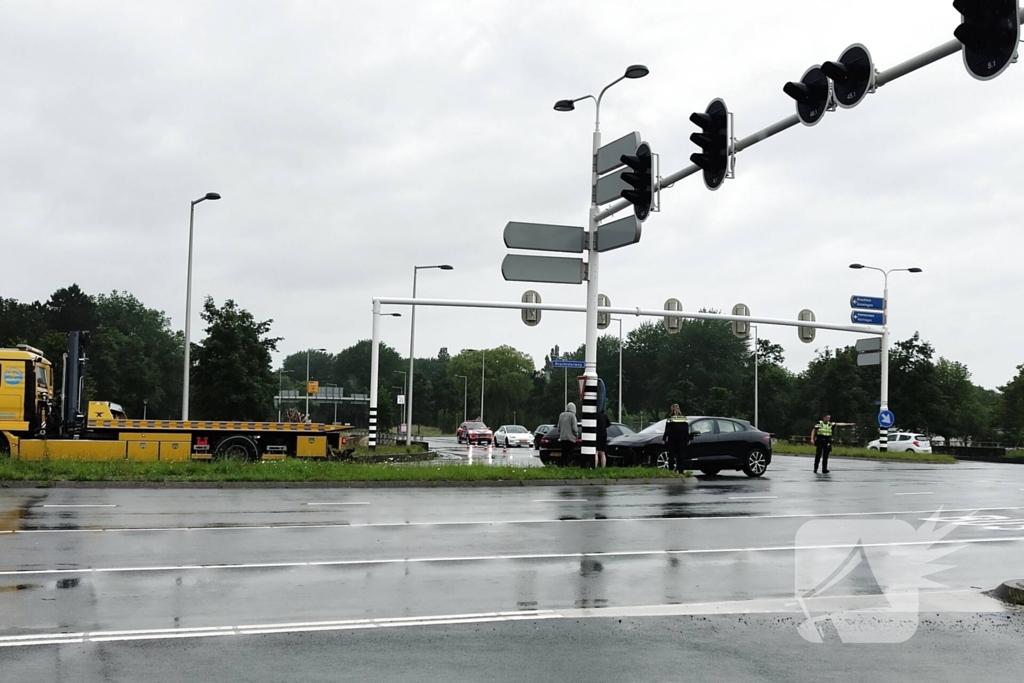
(883, 433)
(335, 401)
(401, 413)
(619, 321)
(307, 377)
(483, 367)
(404, 378)
(374, 372)
(212, 196)
(589, 422)
(412, 344)
(145, 407)
(465, 396)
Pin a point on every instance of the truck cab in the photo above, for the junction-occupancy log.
(26, 390)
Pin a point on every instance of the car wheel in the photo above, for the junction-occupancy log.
(756, 464)
(710, 472)
(660, 460)
(872, 448)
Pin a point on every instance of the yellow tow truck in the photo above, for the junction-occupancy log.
(33, 427)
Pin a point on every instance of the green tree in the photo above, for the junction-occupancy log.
(1009, 414)
(232, 375)
(507, 385)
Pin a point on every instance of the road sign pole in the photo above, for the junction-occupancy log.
(883, 433)
(589, 413)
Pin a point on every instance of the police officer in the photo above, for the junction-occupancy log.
(821, 438)
(677, 437)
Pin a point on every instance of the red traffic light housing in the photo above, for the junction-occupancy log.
(713, 140)
(990, 33)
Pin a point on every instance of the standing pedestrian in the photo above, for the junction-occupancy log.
(677, 437)
(568, 430)
(603, 422)
(821, 439)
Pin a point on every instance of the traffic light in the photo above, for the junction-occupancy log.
(641, 179)
(853, 75)
(990, 31)
(811, 95)
(714, 143)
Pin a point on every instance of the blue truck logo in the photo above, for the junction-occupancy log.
(13, 377)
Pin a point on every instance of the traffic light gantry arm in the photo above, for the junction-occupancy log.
(920, 61)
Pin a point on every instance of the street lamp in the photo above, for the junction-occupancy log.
(280, 386)
(412, 344)
(145, 407)
(307, 377)
(465, 396)
(589, 421)
(883, 433)
(212, 196)
(619, 321)
(405, 376)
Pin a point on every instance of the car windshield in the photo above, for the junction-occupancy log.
(475, 425)
(658, 426)
(516, 429)
(623, 429)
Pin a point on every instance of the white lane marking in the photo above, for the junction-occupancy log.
(751, 497)
(353, 503)
(491, 558)
(561, 500)
(945, 601)
(82, 505)
(495, 522)
(917, 493)
(264, 629)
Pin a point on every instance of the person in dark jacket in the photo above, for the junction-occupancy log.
(677, 437)
(603, 422)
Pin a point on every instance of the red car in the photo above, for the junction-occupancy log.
(473, 432)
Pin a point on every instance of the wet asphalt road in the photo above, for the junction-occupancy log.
(526, 583)
(452, 451)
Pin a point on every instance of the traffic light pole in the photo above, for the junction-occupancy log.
(920, 61)
(588, 449)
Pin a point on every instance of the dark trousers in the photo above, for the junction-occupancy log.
(676, 457)
(568, 453)
(824, 447)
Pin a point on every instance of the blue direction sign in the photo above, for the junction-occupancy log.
(867, 303)
(886, 419)
(571, 364)
(867, 318)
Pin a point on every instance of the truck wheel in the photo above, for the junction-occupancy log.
(237, 448)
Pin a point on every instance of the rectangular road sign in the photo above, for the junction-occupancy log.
(874, 358)
(610, 187)
(541, 237)
(867, 318)
(571, 364)
(869, 344)
(554, 269)
(608, 157)
(620, 233)
(867, 303)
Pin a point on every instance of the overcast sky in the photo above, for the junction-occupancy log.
(352, 141)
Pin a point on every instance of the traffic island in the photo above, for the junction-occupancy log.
(1011, 592)
(804, 450)
(295, 472)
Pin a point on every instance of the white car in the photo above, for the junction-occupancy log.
(513, 435)
(904, 442)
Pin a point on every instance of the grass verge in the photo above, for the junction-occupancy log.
(293, 470)
(786, 448)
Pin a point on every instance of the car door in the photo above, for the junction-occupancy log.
(731, 443)
(702, 448)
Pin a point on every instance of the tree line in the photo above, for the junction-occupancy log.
(136, 359)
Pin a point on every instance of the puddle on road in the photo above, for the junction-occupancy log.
(65, 584)
(19, 587)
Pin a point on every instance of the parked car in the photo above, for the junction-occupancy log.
(473, 431)
(539, 433)
(719, 443)
(513, 435)
(551, 448)
(904, 442)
